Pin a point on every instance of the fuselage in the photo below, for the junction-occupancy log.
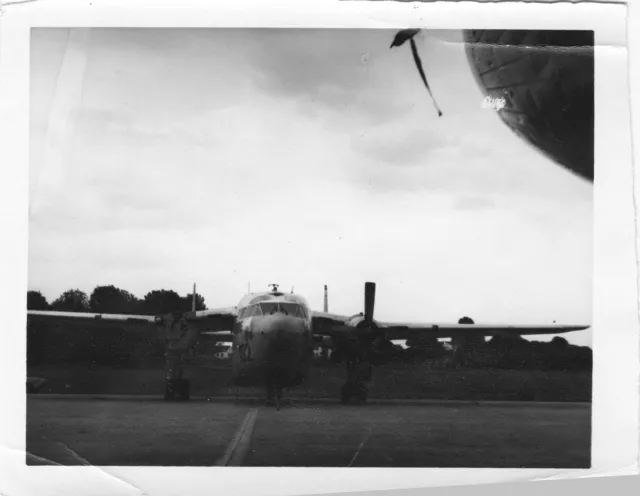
(272, 340)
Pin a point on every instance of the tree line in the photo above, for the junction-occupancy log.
(110, 299)
(511, 353)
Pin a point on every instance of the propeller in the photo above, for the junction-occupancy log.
(360, 334)
(408, 35)
(369, 301)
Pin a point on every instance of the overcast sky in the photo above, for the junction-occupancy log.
(164, 157)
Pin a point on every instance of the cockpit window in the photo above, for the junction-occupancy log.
(287, 308)
(253, 311)
(269, 307)
(250, 311)
(290, 309)
(303, 312)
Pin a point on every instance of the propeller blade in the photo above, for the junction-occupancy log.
(369, 301)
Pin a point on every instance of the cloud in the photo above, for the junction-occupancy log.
(397, 144)
(306, 158)
(473, 203)
(127, 125)
(331, 70)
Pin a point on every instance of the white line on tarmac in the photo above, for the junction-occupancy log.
(358, 451)
(239, 446)
(369, 429)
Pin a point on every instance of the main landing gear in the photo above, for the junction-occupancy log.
(177, 390)
(358, 374)
(181, 336)
(357, 391)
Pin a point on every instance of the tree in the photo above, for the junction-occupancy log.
(424, 341)
(560, 342)
(508, 341)
(187, 300)
(161, 301)
(109, 299)
(466, 320)
(424, 345)
(36, 301)
(72, 300)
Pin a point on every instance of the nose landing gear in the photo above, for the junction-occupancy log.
(274, 379)
(274, 397)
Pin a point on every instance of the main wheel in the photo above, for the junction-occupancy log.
(177, 390)
(169, 390)
(185, 389)
(545, 79)
(345, 394)
(361, 393)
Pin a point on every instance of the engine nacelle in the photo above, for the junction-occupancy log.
(356, 320)
(367, 339)
(371, 332)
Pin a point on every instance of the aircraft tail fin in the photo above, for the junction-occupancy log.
(326, 299)
(193, 299)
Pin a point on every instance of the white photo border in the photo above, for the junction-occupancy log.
(615, 321)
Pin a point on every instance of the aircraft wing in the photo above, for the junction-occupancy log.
(406, 330)
(333, 324)
(218, 322)
(96, 317)
(329, 317)
(327, 324)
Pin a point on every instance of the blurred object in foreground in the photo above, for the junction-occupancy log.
(546, 81)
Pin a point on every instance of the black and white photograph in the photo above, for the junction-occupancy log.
(310, 247)
(341, 247)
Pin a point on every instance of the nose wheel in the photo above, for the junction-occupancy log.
(274, 397)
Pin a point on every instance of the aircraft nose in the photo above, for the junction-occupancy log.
(279, 347)
(280, 334)
(278, 328)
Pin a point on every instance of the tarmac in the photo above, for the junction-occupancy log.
(127, 430)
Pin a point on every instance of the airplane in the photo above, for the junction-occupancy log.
(273, 334)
